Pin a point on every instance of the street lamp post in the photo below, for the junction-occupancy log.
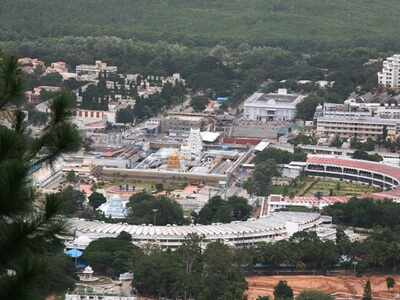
(155, 210)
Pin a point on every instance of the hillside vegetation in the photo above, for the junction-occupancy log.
(227, 48)
(203, 22)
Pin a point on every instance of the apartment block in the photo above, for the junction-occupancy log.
(389, 76)
(362, 127)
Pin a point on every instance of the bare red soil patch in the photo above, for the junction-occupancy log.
(343, 287)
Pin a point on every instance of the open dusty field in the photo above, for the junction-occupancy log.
(343, 287)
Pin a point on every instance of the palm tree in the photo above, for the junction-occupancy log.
(30, 230)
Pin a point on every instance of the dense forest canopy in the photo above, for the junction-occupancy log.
(226, 48)
(202, 22)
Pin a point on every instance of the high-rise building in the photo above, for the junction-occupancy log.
(389, 76)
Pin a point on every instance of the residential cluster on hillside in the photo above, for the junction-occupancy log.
(100, 90)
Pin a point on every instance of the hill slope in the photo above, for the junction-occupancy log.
(203, 22)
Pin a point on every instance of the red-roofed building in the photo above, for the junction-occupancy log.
(373, 173)
(367, 172)
(241, 141)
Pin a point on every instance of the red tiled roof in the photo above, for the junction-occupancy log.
(391, 171)
(241, 141)
(393, 194)
(112, 152)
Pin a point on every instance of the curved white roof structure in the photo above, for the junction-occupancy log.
(277, 226)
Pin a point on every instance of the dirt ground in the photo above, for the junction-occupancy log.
(343, 287)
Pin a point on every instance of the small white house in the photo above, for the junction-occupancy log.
(114, 208)
(126, 276)
(87, 275)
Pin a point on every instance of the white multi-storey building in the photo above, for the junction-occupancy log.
(341, 110)
(388, 108)
(279, 106)
(360, 127)
(389, 76)
(91, 72)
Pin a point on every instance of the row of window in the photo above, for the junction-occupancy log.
(340, 125)
(352, 172)
(86, 114)
(378, 130)
(351, 177)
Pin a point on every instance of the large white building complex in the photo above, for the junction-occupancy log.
(279, 106)
(389, 76)
(273, 227)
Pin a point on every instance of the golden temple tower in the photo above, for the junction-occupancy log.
(174, 161)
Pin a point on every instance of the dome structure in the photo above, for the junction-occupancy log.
(87, 275)
(88, 270)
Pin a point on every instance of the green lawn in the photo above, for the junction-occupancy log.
(310, 186)
(339, 188)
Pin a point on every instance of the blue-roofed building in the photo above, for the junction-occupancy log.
(222, 99)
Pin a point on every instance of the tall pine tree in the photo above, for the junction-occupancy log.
(32, 264)
(367, 295)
